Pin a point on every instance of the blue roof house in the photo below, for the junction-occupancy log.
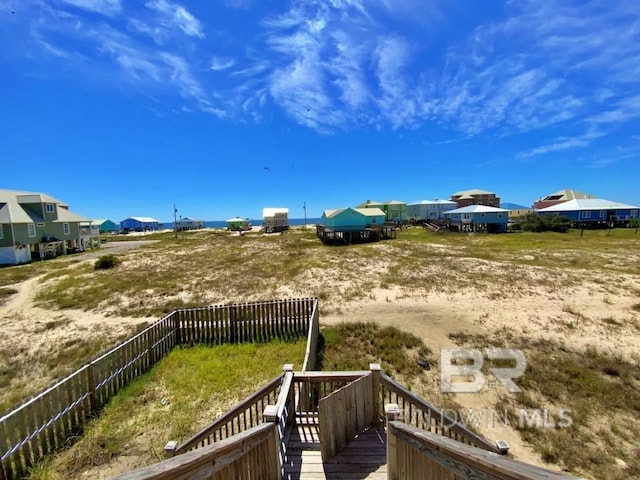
(139, 224)
(478, 218)
(594, 211)
(430, 209)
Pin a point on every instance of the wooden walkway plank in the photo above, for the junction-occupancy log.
(365, 457)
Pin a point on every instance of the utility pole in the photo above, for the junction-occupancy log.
(175, 220)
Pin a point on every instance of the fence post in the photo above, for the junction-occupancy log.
(175, 316)
(170, 448)
(392, 413)
(2, 476)
(151, 350)
(375, 383)
(91, 381)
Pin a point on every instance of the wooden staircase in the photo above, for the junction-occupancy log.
(365, 457)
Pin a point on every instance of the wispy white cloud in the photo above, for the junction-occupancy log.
(58, 52)
(170, 18)
(396, 102)
(219, 63)
(130, 59)
(181, 76)
(566, 66)
(104, 7)
(564, 143)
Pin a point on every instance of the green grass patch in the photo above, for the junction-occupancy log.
(19, 273)
(353, 346)
(188, 389)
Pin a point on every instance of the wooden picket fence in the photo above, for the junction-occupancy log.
(47, 422)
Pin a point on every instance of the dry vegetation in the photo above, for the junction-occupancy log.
(574, 298)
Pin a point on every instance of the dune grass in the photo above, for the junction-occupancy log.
(395, 350)
(185, 391)
(207, 267)
(599, 390)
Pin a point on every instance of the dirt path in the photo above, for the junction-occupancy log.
(433, 322)
(24, 297)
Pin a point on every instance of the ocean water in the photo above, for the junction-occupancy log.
(293, 222)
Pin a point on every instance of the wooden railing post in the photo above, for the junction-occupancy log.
(375, 383)
(270, 415)
(170, 449)
(291, 413)
(392, 413)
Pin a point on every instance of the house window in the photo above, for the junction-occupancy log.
(601, 213)
(586, 214)
(65, 228)
(50, 208)
(1, 231)
(634, 213)
(31, 229)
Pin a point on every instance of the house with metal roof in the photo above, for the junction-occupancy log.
(394, 210)
(475, 196)
(275, 219)
(516, 211)
(188, 223)
(478, 218)
(354, 225)
(560, 197)
(238, 224)
(426, 210)
(37, 226)
(351, 219)
(105, 225)
(139, 224)
(594, 212)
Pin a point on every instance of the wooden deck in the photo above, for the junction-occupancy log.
(364, 457)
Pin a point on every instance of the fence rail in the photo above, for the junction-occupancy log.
(249, 454)
(411, 449)
(44, 423)
(245, 415)
(421, 414)
(245, 322)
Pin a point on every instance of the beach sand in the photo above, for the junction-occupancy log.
(578, 315)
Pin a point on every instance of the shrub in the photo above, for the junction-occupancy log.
(105, 262)
(543, 223)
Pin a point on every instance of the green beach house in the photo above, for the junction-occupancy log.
(238, 224)
(394, 210)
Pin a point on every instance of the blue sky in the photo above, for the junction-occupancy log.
(123, 108)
